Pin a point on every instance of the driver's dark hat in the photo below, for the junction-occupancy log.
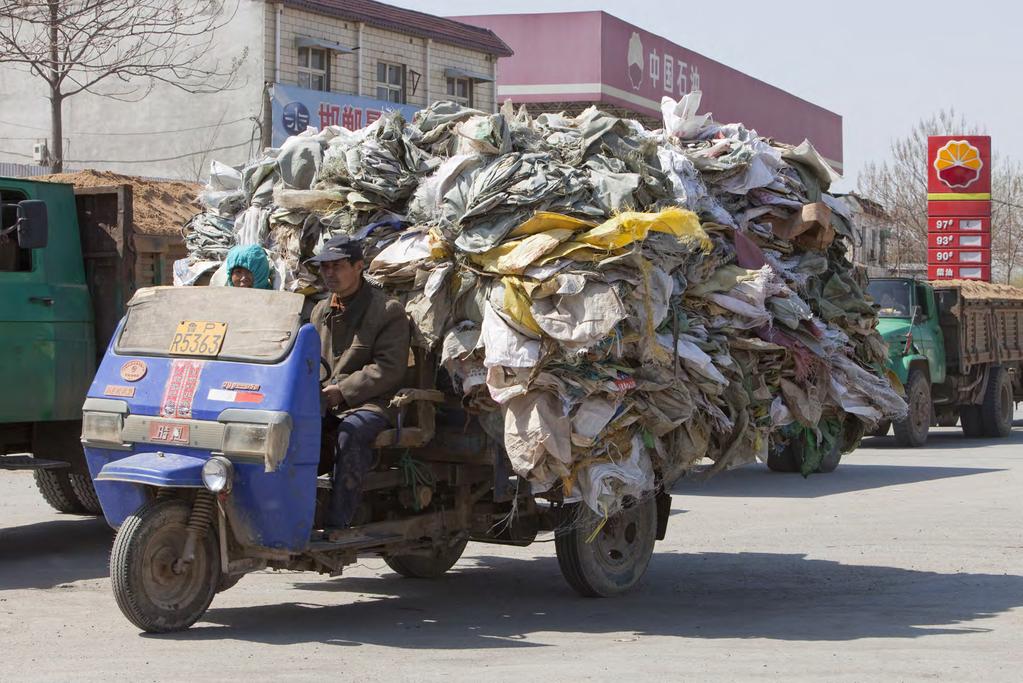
(339, 247)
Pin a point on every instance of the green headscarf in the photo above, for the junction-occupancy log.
(252, 258)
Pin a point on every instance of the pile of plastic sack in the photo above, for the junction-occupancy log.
(615, 304)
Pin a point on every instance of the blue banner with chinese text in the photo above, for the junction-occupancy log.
(295, 109)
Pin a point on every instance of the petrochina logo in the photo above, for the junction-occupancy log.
(635, 61)
(958, 163)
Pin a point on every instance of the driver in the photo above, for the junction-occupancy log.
(364, 338)
(891, 306)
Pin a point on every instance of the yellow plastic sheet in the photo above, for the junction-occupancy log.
(633, 226)
(511, 258)
(542, 221)
(579, 252)
(516, 304)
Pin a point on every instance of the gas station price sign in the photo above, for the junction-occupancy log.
(959, 207)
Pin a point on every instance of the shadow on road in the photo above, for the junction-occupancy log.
(757, 481)
(505, 602)
(49, 554)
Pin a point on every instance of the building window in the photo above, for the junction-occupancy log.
(460, 90)
(391, 82)
(313, 68)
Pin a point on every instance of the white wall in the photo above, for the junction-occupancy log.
(99, 132)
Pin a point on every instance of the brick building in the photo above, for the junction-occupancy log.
(873, 226)
(302, 62)
(370, 56)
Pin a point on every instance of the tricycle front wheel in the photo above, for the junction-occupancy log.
(155, 590)
(609, 561)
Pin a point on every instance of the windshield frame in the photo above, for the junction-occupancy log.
(147, 301)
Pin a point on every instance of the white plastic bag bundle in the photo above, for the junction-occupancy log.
(604, 484)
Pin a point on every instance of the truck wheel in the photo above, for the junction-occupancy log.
(85, 492)
(912, 432)
(55, 485)
(152, 591)
(427, 566)
(790, 459)
(831, 459)
(785, 460)
(617, 557)
(996, 410)
(882, 428)
(969, 417)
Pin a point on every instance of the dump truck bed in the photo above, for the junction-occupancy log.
(982, 322)
(130, 236)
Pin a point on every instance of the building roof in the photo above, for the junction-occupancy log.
(866, 205)
(410, 22)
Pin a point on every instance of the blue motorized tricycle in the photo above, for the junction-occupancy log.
(204, 436)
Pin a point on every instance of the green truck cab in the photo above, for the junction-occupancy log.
(68, 260)
(956, 348)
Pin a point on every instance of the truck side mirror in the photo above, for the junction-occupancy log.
(33, 224)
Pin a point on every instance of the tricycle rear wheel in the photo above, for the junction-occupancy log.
(154, 590)
(617, 556)
(427, 566)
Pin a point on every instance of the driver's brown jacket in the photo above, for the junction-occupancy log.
(365, 341)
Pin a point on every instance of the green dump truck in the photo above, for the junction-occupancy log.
(957, 348)
(70, 258)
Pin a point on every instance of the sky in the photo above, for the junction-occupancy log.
(882, 66)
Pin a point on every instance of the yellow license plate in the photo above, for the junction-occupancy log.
(198, 338)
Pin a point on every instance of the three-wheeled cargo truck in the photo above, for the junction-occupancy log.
(70, 258)
(957, 347)
(203, 431)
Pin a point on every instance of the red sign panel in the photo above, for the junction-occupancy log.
(959, 207)
(942, 272)
(959, 240)
(959, 165)
(959, 257)
(972, 224)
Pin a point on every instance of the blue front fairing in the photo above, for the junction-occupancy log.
(269, 509)
(160, 469)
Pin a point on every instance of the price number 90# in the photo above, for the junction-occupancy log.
(944, 255)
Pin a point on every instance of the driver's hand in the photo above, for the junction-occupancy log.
(331, 395)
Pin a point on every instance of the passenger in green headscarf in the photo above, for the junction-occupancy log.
(248, 267)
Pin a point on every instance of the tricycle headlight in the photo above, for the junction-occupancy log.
(102, 428)
(217, 474)
(257, 440)
(262, 434)
(245, 439)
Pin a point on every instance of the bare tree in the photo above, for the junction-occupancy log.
(1007, 221)
(114, 48)
(193, 166)
(899, 184)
